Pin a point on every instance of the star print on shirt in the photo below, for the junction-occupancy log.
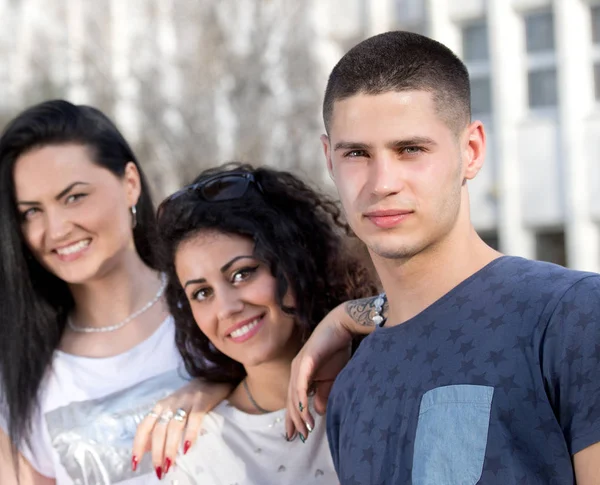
(528, 330)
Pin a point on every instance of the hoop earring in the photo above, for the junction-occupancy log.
(133, 217)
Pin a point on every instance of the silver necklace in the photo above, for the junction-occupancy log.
(112, 328)
(254, 403)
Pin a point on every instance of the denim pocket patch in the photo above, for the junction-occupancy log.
(452, 435)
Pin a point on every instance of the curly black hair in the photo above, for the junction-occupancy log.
(298, 232)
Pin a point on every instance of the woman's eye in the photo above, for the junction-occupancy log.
(201, 294)
(29, 213)
(243, 274)
(74, 198)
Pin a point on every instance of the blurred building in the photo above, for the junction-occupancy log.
(196, 83)
(535, 76)
(190, 84)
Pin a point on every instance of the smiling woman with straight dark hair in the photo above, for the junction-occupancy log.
(87, 343)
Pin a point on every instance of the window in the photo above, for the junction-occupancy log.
(410, 15)
(477, 59)
(596, 25)
(550, 246)
(491, 239)
(596, 41)
(539, 29)
(475, 43)
(541, 60)
(542, 88)
(597, 80)
(481, 95)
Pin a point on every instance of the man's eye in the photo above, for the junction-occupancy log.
(355, 153)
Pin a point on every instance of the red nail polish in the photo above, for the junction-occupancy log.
(134, 463)
(167, 465)
(159, 472)
(186, 446)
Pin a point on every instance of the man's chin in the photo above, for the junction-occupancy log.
(392, 252)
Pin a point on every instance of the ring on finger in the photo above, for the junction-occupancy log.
(166, 417)
(153, 414)
(180, 415)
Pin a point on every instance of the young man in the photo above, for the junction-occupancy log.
(487, 370)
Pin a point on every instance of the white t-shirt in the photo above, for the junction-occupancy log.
(90, 409)
(247, 449)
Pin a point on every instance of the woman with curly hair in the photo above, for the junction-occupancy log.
(255, 259)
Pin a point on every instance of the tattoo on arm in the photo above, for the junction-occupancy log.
(362, 311)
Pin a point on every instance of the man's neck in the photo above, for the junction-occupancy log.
(413, 284)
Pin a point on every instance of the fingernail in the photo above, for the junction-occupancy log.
(167, 465)
(302, 438)
(308, 427)
(186, 446)
(134, 463)
(291, 438)
(300, 406)
(159, 472)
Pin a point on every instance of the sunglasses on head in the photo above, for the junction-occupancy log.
(218, 188)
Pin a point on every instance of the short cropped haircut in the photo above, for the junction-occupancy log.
(402, 61)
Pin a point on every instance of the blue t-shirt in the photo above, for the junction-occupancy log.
(497, 382)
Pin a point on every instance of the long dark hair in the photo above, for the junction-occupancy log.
(299, 233)
(34, 303)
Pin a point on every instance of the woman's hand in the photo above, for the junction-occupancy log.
(175, 419)
(322, 358)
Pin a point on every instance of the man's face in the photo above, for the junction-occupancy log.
(399, 170)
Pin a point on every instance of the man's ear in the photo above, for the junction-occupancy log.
(474, 151)
(327, 152)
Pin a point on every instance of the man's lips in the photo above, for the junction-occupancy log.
(388, 218)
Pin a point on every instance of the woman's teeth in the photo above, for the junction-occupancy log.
(73, 248)
(245, 329)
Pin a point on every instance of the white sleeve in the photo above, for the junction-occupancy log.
(39, 450)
